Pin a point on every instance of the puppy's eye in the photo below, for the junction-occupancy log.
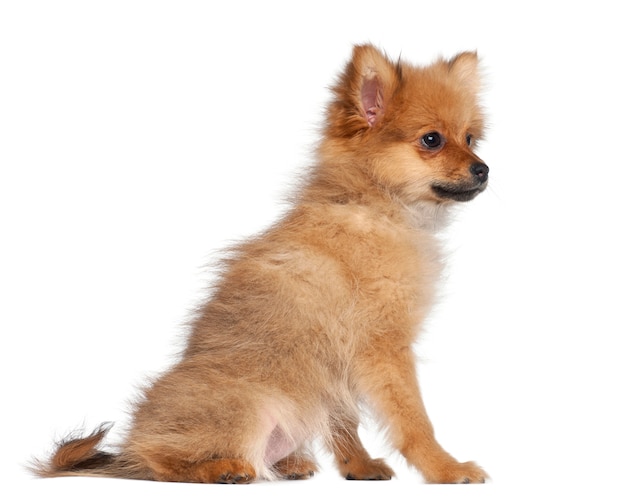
(432, 140)
(469, 139)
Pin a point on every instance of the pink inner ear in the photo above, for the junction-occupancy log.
(371, 100)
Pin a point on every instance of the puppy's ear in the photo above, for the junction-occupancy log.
(465, 68)
(363, 92)
(375, 80)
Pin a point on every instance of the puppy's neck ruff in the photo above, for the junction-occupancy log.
(428, 216)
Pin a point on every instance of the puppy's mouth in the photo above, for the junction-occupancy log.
(457, 192)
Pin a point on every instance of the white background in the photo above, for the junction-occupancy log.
(138, 138)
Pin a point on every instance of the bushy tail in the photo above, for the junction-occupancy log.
(80, 456)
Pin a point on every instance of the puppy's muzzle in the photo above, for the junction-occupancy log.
(464, 190)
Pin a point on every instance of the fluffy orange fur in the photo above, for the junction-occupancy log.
(317, 316)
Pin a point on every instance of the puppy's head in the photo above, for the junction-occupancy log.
(412, 129)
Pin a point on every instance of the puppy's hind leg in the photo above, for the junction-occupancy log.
(192, 431)
(216, 470)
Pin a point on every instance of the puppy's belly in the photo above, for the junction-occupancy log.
(278, 446)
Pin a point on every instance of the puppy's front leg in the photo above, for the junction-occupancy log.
(388, 379)
(352, 458)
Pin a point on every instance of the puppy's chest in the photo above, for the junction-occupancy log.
(393, 275)
(402, 275)
(389, 262)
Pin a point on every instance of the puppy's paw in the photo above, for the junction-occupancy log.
(457, 473)
(295, 467)
(231, 471)
(367, 470)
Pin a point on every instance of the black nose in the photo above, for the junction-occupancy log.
(480, 171)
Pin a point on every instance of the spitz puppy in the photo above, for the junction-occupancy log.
(316, 317)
